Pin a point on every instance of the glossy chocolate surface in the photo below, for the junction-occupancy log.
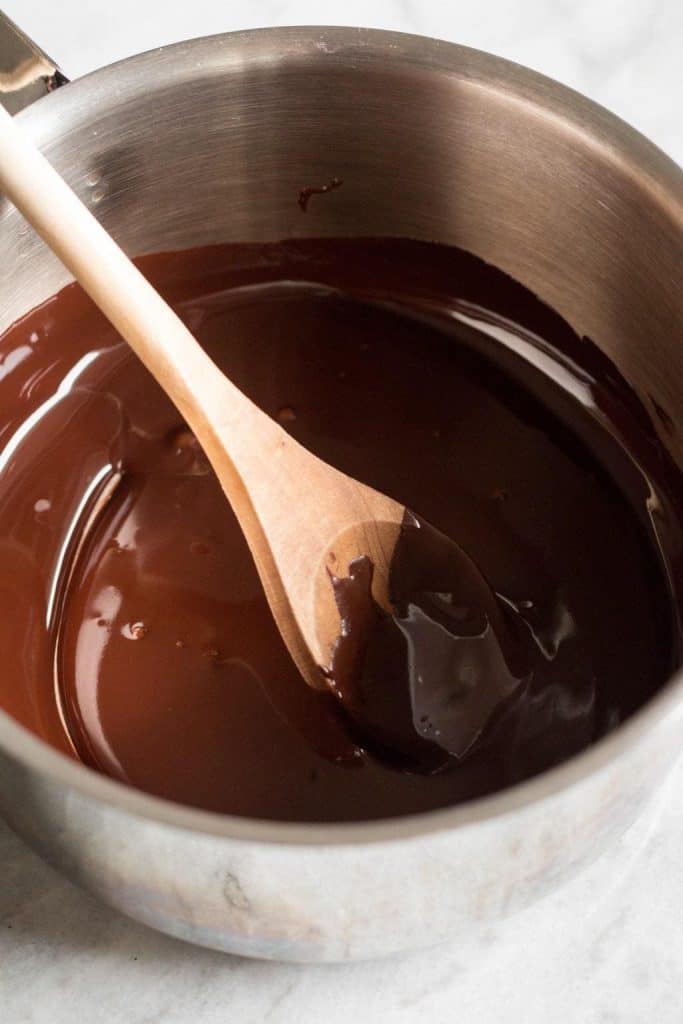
(135, 634)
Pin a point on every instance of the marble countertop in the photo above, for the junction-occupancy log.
(608, 947)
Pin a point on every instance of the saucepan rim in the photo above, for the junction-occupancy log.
(595, 127)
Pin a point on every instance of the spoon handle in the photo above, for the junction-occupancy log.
(247, 449)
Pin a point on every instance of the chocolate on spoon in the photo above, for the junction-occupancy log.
(423, 683)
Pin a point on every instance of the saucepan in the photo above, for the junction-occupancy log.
(210, 141)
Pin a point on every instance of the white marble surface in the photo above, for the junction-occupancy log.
(608, 947)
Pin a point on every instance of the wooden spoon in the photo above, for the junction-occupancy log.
(302, 519)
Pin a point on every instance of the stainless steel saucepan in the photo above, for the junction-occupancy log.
(210, 141)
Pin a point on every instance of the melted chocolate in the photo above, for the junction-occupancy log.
(135, 634)
(316, 190)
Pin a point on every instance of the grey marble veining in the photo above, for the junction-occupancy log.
(607, 948)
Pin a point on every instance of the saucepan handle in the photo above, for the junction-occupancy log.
(26, 73)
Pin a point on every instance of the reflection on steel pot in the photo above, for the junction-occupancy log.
(439, 143)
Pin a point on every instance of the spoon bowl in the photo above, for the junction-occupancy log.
(324, 544)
